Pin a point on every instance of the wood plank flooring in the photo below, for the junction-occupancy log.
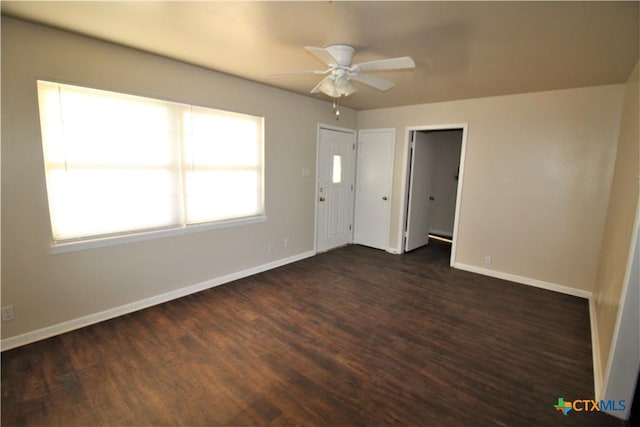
(352, 337)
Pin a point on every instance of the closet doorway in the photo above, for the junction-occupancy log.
(435, 164)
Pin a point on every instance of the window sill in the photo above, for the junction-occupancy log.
(64, 247)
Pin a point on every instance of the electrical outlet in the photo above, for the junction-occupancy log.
(7, 313)
(488, 259)
(286, 242)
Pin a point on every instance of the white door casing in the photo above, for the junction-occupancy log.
(418, 211)
(405, 183)
(373, 187)
(335, 187)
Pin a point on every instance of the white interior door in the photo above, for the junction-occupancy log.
(417, 233)
(336, 161)
(373, 192)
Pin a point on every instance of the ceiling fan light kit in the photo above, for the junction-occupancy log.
(335, 86)
(340, 72)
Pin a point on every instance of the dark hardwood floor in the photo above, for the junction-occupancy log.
(352, 337)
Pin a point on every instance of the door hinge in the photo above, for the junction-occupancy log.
(354, 146)
(349, 226)
(351, 187)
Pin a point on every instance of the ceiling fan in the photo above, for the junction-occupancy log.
(341, 73)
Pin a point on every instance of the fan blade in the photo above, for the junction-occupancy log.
(373, 81)
(322, 54)
(293, 73)
(316, 89)
(401, 63)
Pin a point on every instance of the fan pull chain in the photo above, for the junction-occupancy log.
(336, 111)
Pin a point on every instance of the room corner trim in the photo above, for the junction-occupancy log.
(595, 351)
(80, 322)
(524, 280)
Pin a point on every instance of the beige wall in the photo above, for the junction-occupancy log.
(619, 224)
(47, 289)
(536, 181)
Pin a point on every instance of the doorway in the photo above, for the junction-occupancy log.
(433, 184)
(334, 187)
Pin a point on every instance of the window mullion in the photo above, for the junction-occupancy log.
(184, 118)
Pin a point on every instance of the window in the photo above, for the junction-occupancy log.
(337, 169)
(119, 164)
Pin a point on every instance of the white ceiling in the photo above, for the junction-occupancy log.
(461, 49)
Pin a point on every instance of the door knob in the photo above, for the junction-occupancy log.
(384, 197)
(322, 199)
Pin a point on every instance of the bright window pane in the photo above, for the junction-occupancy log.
(221, 139)
(223, 164)
(240, 191)
(85, 202)
(337, 169)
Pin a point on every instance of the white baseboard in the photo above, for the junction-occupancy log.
(448, 234)
(80, 322)
(524, 280)
(595, 351)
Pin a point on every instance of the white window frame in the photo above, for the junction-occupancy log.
(176, 227)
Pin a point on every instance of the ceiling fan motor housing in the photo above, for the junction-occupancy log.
(342, 53)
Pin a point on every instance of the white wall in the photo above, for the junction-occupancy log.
(536, 180)
(48, 290)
